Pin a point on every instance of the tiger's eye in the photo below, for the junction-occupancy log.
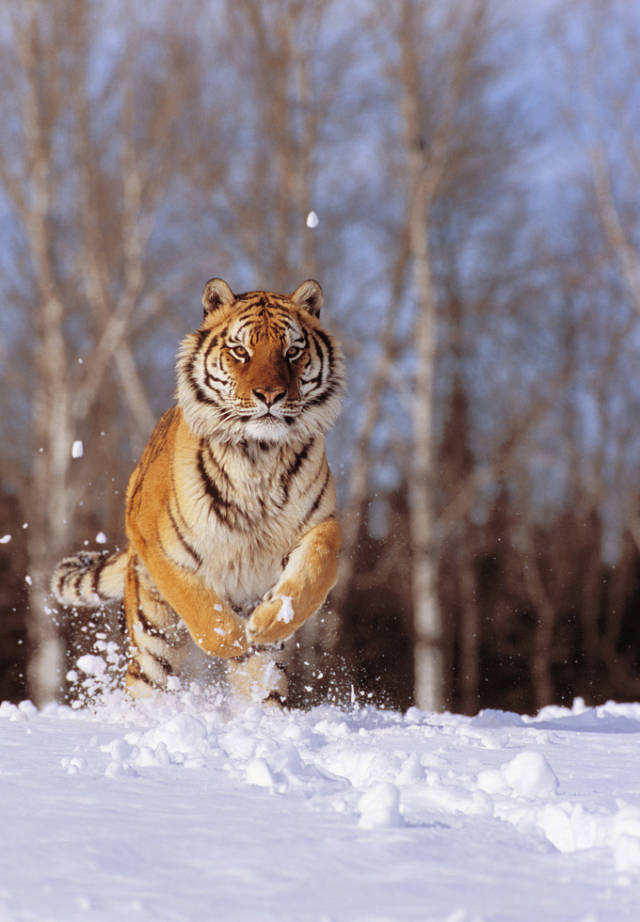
(293, 353)
(239, 353)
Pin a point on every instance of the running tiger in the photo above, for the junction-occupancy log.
(231, 511)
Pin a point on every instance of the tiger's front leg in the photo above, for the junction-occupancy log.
(306, 581)
(156, 540)
(214, 627)
(158, 639)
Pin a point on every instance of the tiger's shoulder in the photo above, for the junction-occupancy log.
(156, 454)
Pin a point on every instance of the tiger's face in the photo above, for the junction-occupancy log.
(261, 367)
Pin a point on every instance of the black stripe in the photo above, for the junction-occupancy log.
(213, 342)
(242, 323)
(318, 498)
(246, 315)
(174, 494)
(164, 664)
(226, 512)
(317, 379)
(329, 391)
(151, 630)
(201, 336)
(183, 541)
(324, 337)
(189, 368)
(97, 571)
(215, 463)
(209, 376)
(199, 393)
(166, 551)
(134, 669)
(294, 467)
(278, 313)
(211, 488)
(76, 582)
(62, 579)
(147, 627)
(212, 379)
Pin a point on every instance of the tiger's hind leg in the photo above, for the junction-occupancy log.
(258, 676)
(158, 639)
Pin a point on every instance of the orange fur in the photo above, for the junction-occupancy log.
(230, 513)
(211, 623)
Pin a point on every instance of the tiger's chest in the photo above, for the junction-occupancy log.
(242, 513)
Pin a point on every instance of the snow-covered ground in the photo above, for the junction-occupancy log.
(188, 808)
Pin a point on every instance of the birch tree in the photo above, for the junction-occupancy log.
(270, 89)
(428, 136)
(79, 164)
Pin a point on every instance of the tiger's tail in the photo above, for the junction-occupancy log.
(90, 579)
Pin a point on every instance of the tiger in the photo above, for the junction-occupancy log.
(230, 513)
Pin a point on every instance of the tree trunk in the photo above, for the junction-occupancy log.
(426, 610)
(358, 484)
(51, 422)
(428, 663)
(427, 151)
(48, 528)
(469, 633)
(428, 659)
(542, 650)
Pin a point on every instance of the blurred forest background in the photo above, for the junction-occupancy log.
(463, 177)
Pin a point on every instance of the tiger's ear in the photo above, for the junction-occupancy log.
(216, 294)
(309, 296)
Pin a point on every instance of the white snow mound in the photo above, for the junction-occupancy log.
(166, 808)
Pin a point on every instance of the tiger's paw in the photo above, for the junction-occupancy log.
(226, 636)
(272, 621)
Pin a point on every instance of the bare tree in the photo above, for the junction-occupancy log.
(359, 482)
(429, 125)
(272, 138)
(86, 194)
(596, 52)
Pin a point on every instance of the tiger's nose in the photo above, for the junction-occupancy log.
(270, 395)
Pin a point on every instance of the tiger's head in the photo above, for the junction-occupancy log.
(261, 367)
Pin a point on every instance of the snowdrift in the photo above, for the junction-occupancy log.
(186, 808)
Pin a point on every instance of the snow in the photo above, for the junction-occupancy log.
(5, 539)
(190, 806)
(77, 449)
(91, 665)
(286, 613)
(379, 807)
